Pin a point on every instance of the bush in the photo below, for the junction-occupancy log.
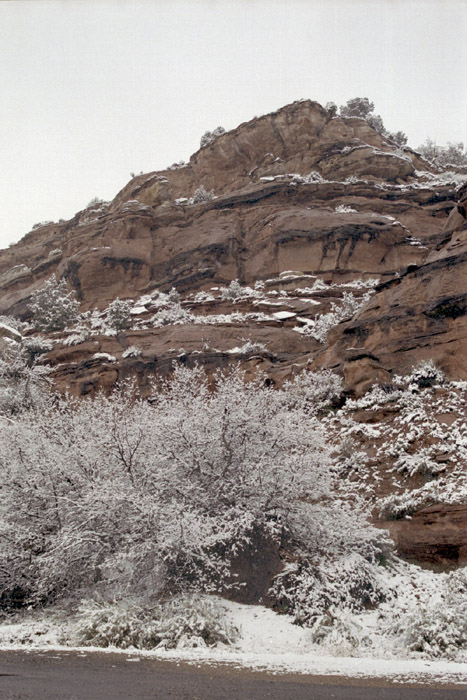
(119, 314)
(210, 136)
(314, 391)
(202, 195)
(184, 621)
(53, 308)
(171, 313)
(426, 374)
(344, 311)
(249, 347)
(436, 627)
(357, 107)
(173, 297)
(362, 107)
(95, 201)
(132, 351)
(398, 137)
(23, 384)
(444, 156)
(232, 292)
(311, 589)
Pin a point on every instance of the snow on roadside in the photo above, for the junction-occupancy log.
(268, 642)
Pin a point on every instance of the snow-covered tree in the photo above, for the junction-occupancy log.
(23, 383)
(121, 494)
(357, 107)
(119, 314)
(363, 108)
(232, 292)
(344, 311)
(209, 136)
(202, 195)
(53, 307)
(452, 154)
(398, 137)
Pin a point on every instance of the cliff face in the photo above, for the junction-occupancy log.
(293, 190)
(420, 314)
(262, 221)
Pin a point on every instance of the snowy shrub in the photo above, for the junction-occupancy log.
(40, 224)
(104, 356)
(209, 136)
(357, 107)
(35, 346)
(178, 165)
(399, 137)
(341, 632)
(81, 336)
(55, 253)
(132, 351)
(53, 307)
(437, 626)
(314, 391)
(114, 624)
(311, 589)
(426, 374)
(119, 314)
(95, 201)
(184, 621)
(339, 312)
(171, 314)
(12, 322)
(202, 195)
(23, 384)
(362, 107)
(249, 347)
(312, 178)
(232, 292)
(343, 209)
(203, 297)
(420, 462)
(348, 457)
(397, 506)
(451, 155)
(173, 296)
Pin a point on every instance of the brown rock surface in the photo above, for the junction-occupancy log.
(254, 228)
(435, 535)
(365, 212)
(420, 315)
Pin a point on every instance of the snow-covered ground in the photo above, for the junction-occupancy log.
(268, 642)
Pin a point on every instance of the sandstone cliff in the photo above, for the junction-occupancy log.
(293, 190)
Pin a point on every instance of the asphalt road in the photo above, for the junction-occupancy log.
(72, 676)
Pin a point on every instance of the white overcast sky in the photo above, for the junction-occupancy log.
(91, 90)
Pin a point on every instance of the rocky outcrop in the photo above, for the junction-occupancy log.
(100, 362)
(269, 214)
(458, 215)
(434, 535)
(419, 315)
(297, 190)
